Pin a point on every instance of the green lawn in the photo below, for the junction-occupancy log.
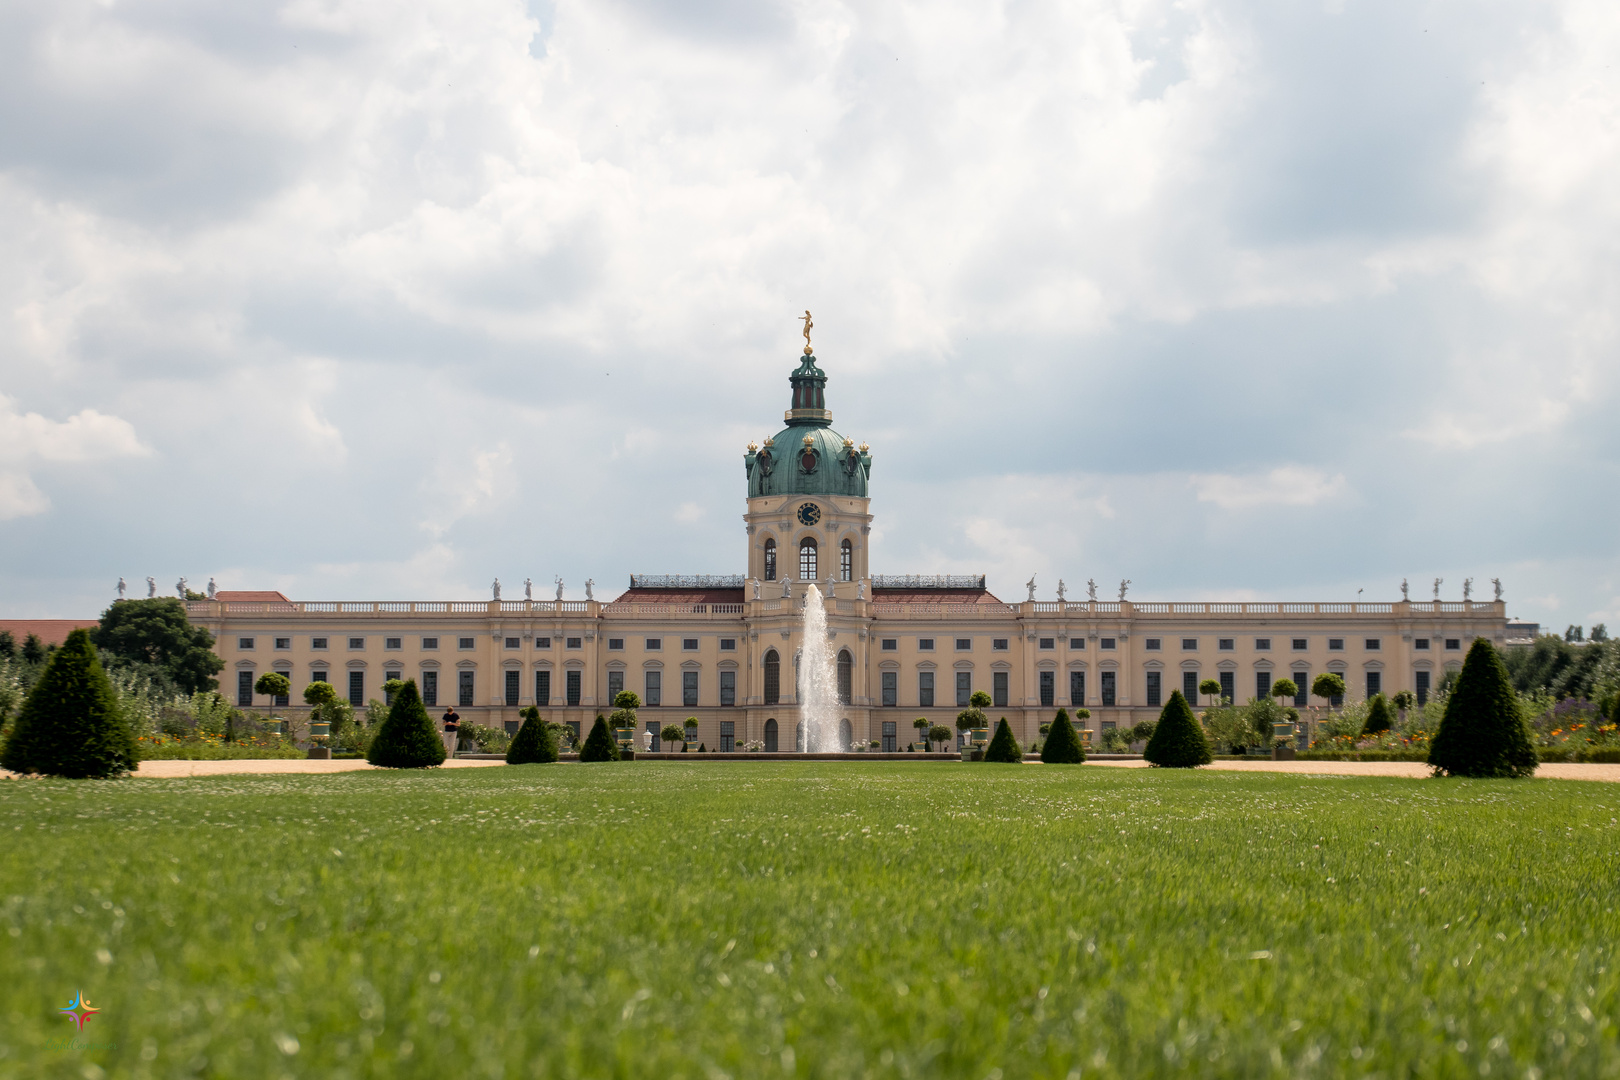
(894, 919)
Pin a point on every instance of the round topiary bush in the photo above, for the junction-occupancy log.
(1482, 733)
(535, 743)
(1003, 747)
(1062, 745)
(406, 739)
(1178, 741)
(70, 724)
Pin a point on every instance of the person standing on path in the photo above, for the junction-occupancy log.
(452, 731)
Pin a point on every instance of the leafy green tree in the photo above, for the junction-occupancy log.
(535, 742)
(691, 725)
(1378, 718)
(973, 716)
(1483, 733)
(8, 645)
(1003, 747)
(1143, 731)
(1328, 685)
(939, 733)
(979, 700)
(1178, 742)
(406, 739)
(70, 724)
(1404, 701)
(673, 733)
(273, 684)
(1062, 746)
(1210, 688)
(921, 724)
(599, 744)
(625, 704)
(33, 649)
(1284, 688)
(158, 633)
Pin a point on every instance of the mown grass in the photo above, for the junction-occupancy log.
(884, 919)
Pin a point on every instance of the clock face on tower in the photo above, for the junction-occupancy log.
(809, 514)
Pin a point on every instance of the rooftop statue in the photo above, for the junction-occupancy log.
(1123, 586)
(559, 588)
(121, 588)
(1437, 582)
(180, 588)
(1404, 595)
(589, 582)
(1062, 589)
(1496, 583)
(151, 586)
(496, 588)
(1468, 588)
(528, 588)
(805, 318)
(212, 588)
(1030, 585)
(1091, 587)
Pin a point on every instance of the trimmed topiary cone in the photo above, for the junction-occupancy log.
(71, 725)
(1062, 745)
(1179, 741)
(406, 739)
(599, 744)
(1482, 733)
(535, 742)
(1003, 747)
(1378, 718)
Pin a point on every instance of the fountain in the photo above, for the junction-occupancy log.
(818, 679)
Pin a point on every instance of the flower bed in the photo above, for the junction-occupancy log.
(213, 748)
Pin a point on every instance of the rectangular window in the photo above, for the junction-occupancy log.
(654, 686)
(1337, 700)
(357, 688)
(964, 688)
(964, 644)
(357, 643)
(430, 689)
(1155, 688)
(925, 644)
(998, 689)
(244, 643)
(464, 687)
(925, 689)
(728, 736)
(689, 644)
(1262, 644)
(998, 644)
(393, 643)
(1152, 644)
(1106, 643)
(1335, 644)
(615, 684)
(1453, 644)
(283, 642)
(1373, 644)
(615, 644)
(542, 688)
(244, 688)
(1229, 685)
(1423, 687)
(317, 676)
(1301, 644)
(1048, 643)
(430, 644)
(464, 643)
(317, 643)
(1189, 644)
(542, 643)
(728, 688)
(1077, 689)
(513, 687)
(1108, 678)
(1189, 686)
(514, 643)
(1077, 643)
(655, 644)
(689, 688)
(891, 688)
(571, 681)
(1262, 685)
(1225, 644)
(1375, 684)
(728, 644)
(573, 643)
(283, 700)
(891, 644)
(1302, 688)
(891, 737)
(1048, 688)
(1421, 644)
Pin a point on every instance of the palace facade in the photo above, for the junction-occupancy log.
(725, 649)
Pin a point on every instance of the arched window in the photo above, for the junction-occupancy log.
(770, 560)
(846, 735)
(846, 561)
(846, 670)
(770, 736)
(773, 678)
(807, 559)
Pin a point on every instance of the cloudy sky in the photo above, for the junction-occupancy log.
(372, 299)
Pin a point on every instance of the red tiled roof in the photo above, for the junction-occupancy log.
(251, 596)
(934, 596)
(680, 596)
(50, 631)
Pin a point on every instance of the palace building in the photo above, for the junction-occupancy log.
(725, 649)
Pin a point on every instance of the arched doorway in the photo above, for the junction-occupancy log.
(846, 735)
(773, 678)
(770, 736)
(846, 676)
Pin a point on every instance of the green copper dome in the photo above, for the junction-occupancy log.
(808, 457)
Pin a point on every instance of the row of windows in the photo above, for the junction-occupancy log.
(653, 644)
(808, 560)
(431, 644)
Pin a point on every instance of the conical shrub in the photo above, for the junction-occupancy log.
(1482, 733)
(1178, 741)
(1379, 719)
(71, 725)
(1062, 746)
(535, 741)
(1003, 747)
(406, 739)
(599, 744)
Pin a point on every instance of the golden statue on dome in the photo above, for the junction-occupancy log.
(805, 318)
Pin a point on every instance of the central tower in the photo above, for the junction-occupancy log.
(807, 513)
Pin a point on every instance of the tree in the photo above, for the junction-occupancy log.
(1178, 742)
(158, 633)
(973, 716)
(979, 700)
(691, 725)
(1210, 688)
(273, 684)
(71, 725)
(33, 650)
(673, 733)
(939, 733)
(1483, 733)
(1404, 701)
(536, 741)
(599, 744)
(1062, 746)
(1284, 688)
(8, 645)
(1378, 718)
(922, 725)
(406, 740)
(1600, 633)
(1328, 685)
(1003, 747)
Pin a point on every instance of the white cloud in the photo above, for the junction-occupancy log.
(29, 438)
(1287, 485)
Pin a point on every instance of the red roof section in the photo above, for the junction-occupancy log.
(50, 631)
(934, 596)
(680, 596)
(268, 596)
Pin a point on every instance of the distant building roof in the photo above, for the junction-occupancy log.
(934, 596)
(49, 631)
(267, 596)
(680, 596)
